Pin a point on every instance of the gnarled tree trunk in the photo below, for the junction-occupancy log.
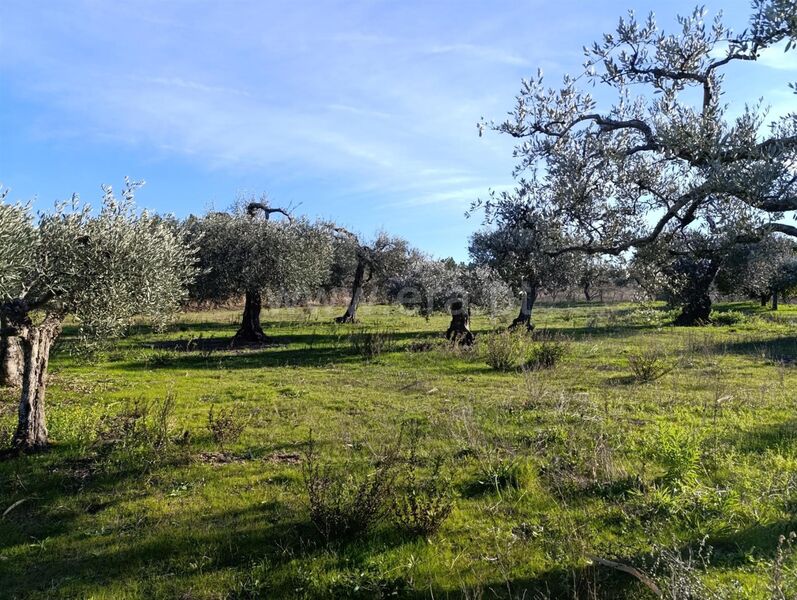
(587, 292)
(527, 300)
(459, 329)
(774, 300)
(11, 358)
(37, 340)
(696, 308)
(357, 293)
(250, 331)
(764, 299)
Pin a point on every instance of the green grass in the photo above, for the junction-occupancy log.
(547, 468)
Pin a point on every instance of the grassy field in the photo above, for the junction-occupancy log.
(690, 477)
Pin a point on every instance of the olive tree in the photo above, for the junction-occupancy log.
(245, 253)
(380, 259)
(431, 285)
(762, 269)
(668, 148)
(520, 255)
(683, 272)
(101, 268)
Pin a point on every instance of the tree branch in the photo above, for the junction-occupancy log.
(253, 207)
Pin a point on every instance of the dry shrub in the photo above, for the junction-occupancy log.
(226, 426)
(346, 502)
(649, 365)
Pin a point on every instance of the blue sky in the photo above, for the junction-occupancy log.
(360, 111)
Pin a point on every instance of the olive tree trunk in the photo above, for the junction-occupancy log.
(696, 309)
(36, 341)
(527, 300)
(250, 331)
(350, 316)
(774, 300)
(459, 329)
(11, 358)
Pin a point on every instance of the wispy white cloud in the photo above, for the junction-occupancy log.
(776, 57)
(482, 53)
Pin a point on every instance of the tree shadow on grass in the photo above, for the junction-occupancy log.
(781, 350)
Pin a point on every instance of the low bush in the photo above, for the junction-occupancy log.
(728, 317)
(649, 365)
(225, 426)
(546, 354)
(505, 350)
(346, 502)
(423, 503)
(141, 433)
(371, 343)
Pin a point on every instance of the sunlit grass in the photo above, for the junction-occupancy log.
(589, 460)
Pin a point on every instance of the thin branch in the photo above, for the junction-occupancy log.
(253, 207)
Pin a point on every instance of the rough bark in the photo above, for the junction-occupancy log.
(350, 316)
(527, 301)
(459, 329)
(696, 299)
(696, 312)
(774, 300)
(250, 331)
(37, 340)
(587, 293)
(11, 358)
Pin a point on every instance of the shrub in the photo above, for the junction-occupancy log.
(142, 432)
(426, 345)
(226, 426)
(370, 343)
(546, 354)
(679, 454)
(345, 503)
(649, 365)
(424, 504)
(504, 350)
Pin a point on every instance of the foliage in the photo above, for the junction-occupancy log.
(422, 503)
(240, 252)
(671, 154)
(759, 269)
(546, 353)
(371, 342)
(505, 350)
(519, 254)
(104, 268)
(649, 365)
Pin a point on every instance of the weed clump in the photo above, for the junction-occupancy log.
(371, 343)
(649, 365)
(142, 433)
(226, 426)
(504, 350)
(728, 317)
(344, 503)
(424, 502)
(546, 354)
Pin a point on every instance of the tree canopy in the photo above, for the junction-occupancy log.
(670, 152)
(103, 268)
